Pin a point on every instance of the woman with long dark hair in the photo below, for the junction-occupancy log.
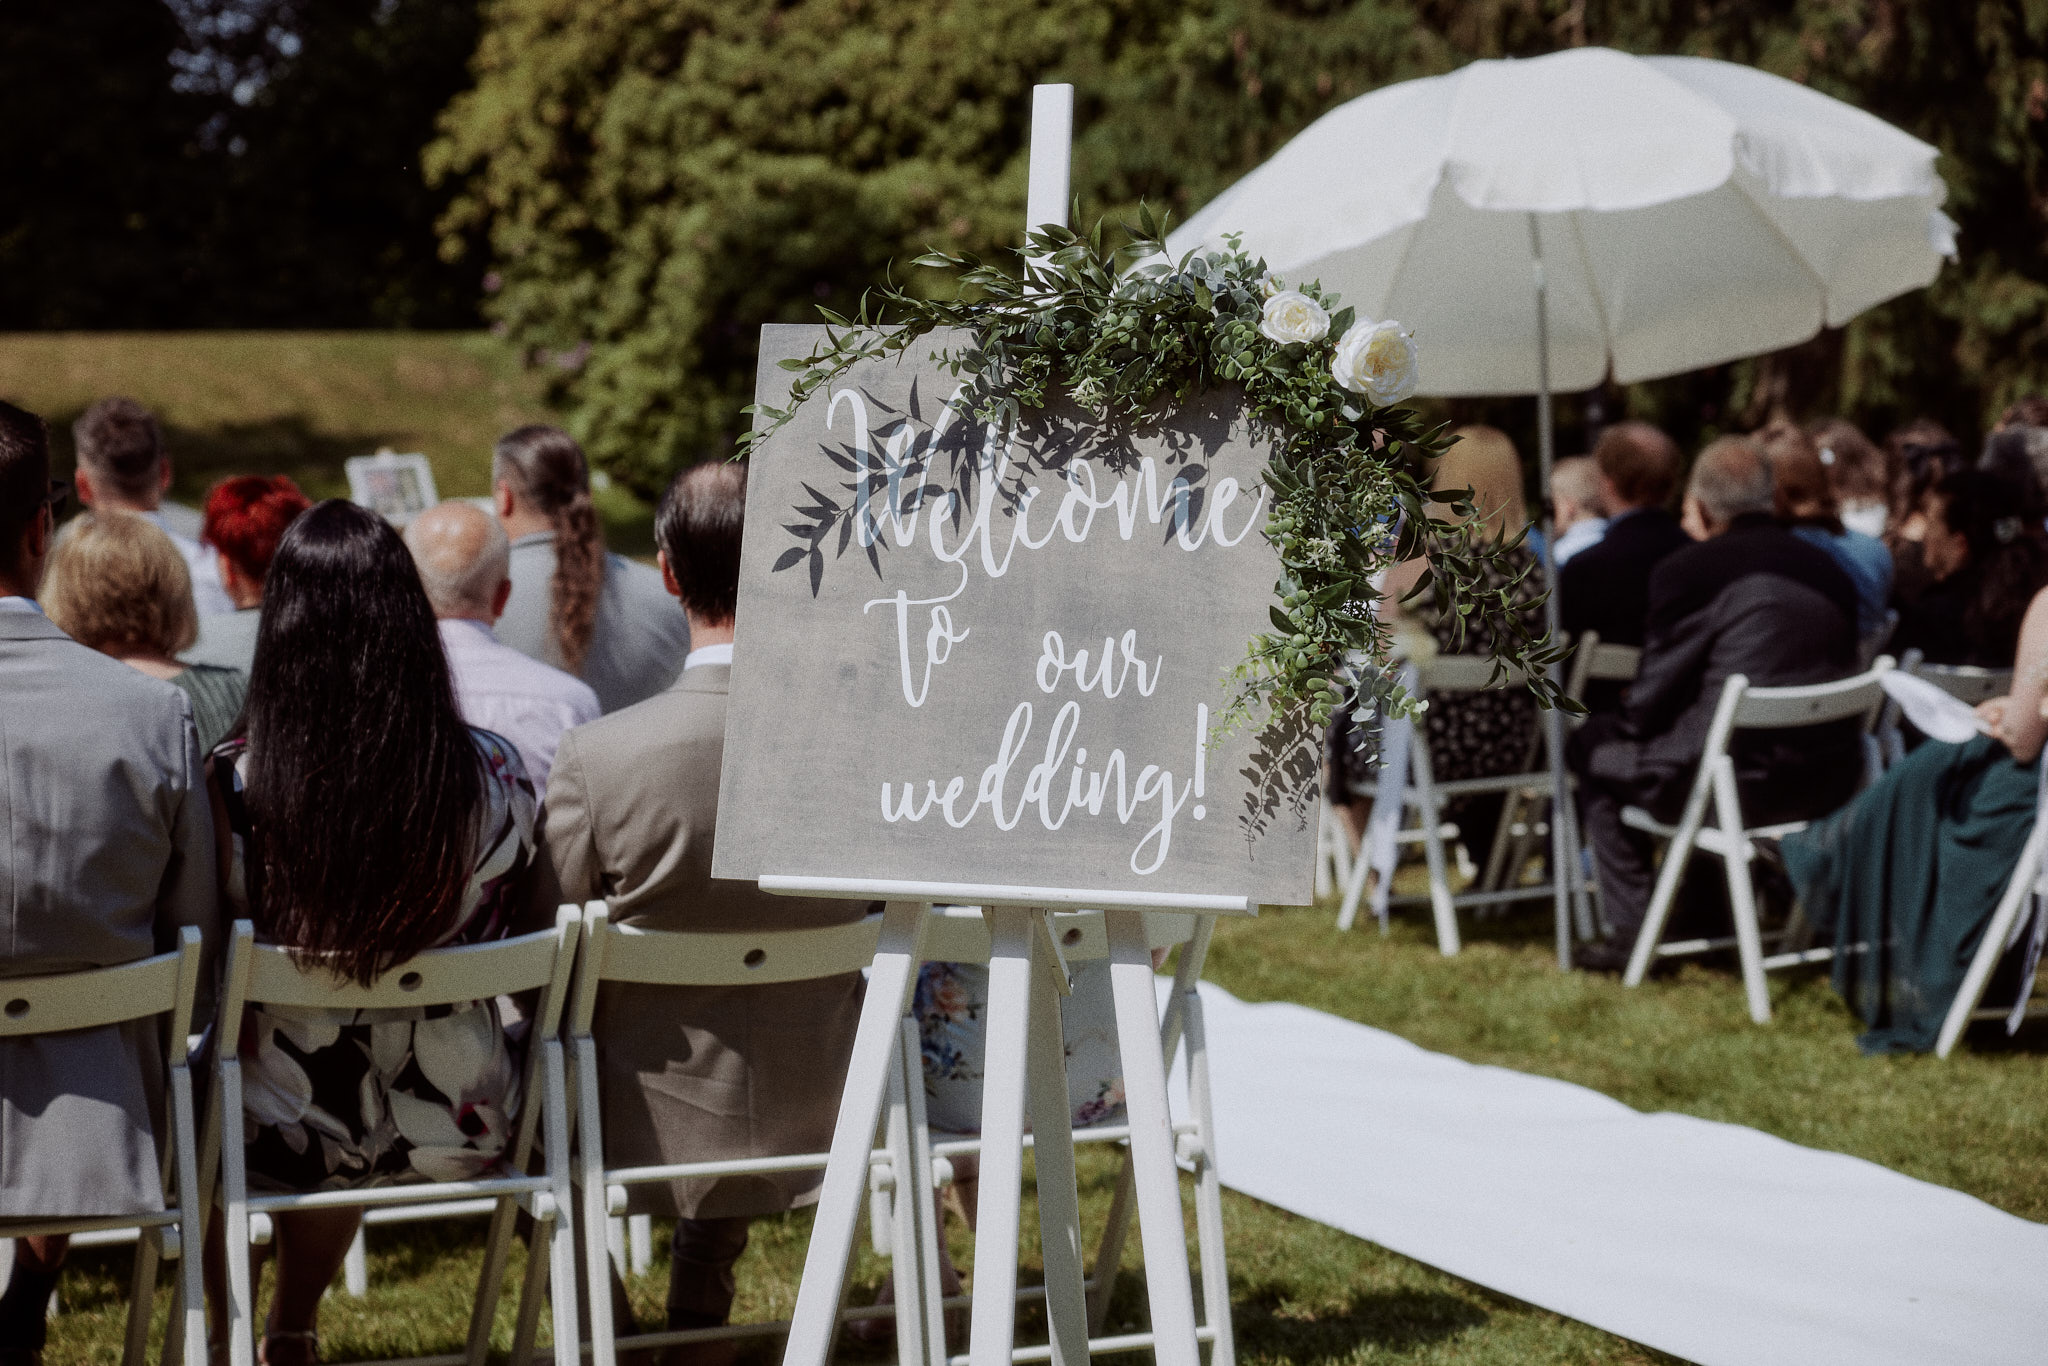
(364, 823)
(574, 605)
(1980, 538)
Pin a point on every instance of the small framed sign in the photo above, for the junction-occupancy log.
(396, 487)
(1001, 652)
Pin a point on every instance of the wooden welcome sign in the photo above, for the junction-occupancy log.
(998, 653)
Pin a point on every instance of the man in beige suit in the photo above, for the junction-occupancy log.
(108, 851)
(714, 1072)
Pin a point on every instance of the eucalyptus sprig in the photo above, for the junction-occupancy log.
(1130, 334)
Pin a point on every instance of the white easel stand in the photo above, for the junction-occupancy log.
(1025, 1061)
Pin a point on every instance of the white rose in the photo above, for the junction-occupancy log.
(1377, 360)
(1292, 316)
(1269, 284)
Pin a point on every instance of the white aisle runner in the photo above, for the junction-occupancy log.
(1716, 1243)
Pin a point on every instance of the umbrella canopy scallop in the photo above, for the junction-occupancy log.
(1686, 212)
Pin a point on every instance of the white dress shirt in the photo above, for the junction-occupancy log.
(1582, 535)
(208, 595)
(708, 654)
(503, 691)
(19, 604)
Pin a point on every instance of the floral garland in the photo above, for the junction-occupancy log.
(1348, 471)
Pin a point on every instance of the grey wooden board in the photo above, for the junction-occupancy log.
(876, 667)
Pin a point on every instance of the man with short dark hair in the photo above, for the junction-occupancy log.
(110, 852)
(698, 1074)
(122, 466)
(1752, 599)
(1605, 587)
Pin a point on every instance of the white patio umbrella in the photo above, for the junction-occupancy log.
(1546, 223)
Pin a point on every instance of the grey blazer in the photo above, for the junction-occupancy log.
(693, 1074)
(640, 637)
(109, 850)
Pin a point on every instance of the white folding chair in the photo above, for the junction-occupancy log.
(2022, 915)
(1729, 838)
(624, 953)
(1966, 683)
(1594, 661)
(265, 975)
(167, 984)
(960, 934)
(1408, 785)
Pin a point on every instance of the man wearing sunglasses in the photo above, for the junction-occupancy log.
(108, 852)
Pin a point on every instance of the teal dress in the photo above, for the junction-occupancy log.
(1913, 869)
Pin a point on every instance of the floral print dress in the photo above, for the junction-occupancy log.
(338, 1099)
(951, 1006)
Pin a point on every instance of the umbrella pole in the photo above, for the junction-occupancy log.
(1563, 847)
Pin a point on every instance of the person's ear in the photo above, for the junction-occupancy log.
(500, 598)
(81, 480)
(668, 578)
(501, 498)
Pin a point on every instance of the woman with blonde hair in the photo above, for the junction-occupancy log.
(1470, 734)
(117, 583)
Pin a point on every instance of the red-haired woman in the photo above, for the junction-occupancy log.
(245, 519)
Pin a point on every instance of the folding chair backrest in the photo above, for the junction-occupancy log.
(1596, 661)
(1966, 683)
(469, 972)
(1467, 673)
(164, 985)
(1811, 704)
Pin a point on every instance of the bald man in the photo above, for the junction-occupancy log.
(465, 564)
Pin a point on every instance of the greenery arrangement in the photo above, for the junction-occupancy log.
(1348, 470)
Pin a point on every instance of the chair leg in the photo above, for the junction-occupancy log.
(639, 1243)
(596, 1212)
(1013, 945)
(142, 1294)
(1741, 894)
(188, 1329)
(1109, 1252)
(1676, 855)
(240, 1310)
(1440, 903)
(1208, 1191)
(1992, 947)
(533, 1289)
(910, 1210)
(497, 1252)
(355, 1267)
(562, 1237)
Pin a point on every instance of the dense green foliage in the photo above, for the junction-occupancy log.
(226, 163)
(656, 178)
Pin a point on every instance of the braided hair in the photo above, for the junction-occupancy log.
(547, 469)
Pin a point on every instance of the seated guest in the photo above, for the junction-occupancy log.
(1985, 557)
(1752, 599)
(1477, 734)
(1576, 510)
(1921, 454)
(245, 518)
(1806, 503)
(1606, 587)
(113, 854)
(462, 556)
(1859, 474)
(698, 1074)
(117, 583)
(123, 467)
(574, 606)
(367, 824)
(2019, 455)
(1918, 861)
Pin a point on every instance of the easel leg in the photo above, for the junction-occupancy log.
(1011, 948)
(1059, 1203)
(890, 981)
(1156, 1177)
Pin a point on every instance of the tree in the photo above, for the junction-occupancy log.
(657, 178)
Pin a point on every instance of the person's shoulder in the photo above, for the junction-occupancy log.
(501, 757)
(672, 716)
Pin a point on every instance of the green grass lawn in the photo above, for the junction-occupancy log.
(300, 403)
(1303, 1293)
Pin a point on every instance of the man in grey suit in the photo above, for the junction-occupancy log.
(698, 1074)
(109, 851)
